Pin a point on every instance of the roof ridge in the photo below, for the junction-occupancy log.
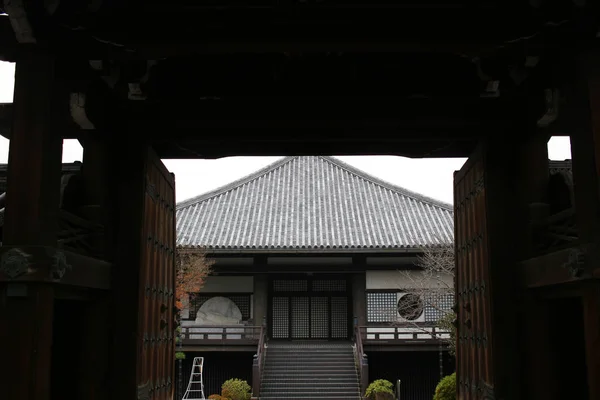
(238, 182)
(378, 181)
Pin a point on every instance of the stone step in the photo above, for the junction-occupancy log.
(309, 387)
(308, 363)
(307, 376)
(309, 370)
(308, 395)
(305, 356)
(343, 380)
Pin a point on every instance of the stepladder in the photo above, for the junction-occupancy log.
(195, 387)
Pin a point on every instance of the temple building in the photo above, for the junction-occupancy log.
(312, 250)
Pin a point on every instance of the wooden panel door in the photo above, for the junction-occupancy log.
(472, 280)
(156, 347)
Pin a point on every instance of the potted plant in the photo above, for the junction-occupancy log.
(380, 389)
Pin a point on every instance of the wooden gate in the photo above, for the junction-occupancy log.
(474, 341)
(156, 345)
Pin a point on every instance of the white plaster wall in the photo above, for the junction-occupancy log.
(228, 284)
(402, 279)
(225, 284)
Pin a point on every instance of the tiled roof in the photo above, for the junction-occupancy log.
(311, 204)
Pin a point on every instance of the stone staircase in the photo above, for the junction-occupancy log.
(309, 370)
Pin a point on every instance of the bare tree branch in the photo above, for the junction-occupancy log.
(432, 286)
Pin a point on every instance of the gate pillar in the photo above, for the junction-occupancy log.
(492, 193)
(143, 342)
(585, 149)
(32, 202)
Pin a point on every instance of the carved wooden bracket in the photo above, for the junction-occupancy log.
(30, 264)
(14, 263)
(143, 391)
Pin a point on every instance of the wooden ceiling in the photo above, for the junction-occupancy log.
(310, 77)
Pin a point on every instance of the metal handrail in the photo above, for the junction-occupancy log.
(258, 362)
(362, 363)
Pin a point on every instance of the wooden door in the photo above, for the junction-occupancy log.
(310, 308)
(472, 281)
(156, 342)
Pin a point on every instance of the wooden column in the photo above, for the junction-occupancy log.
(96, 319)
(261, 299)
(33, 190)
(515, 176)
(585, 148)
(591, 312)
(97, 180)
(127, 202)
(359, 298)
(530, 160)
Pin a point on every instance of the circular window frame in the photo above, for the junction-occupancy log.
(410, 307)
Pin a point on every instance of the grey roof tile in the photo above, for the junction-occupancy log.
(312, 203)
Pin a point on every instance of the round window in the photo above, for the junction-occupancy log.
(410, 306)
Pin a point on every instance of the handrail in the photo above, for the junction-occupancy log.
(220, 334)
(362, 363)
(257, 363)
(403, 333)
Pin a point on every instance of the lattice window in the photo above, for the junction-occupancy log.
(281, 285)
(382, 307)
(319, 317)
(436, 305)
(243, 301)
(329, 285)
(300, 317)
(339, 317)
(281, 322)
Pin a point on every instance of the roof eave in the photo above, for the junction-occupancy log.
(311, 251)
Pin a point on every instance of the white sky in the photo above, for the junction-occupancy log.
(430, 177)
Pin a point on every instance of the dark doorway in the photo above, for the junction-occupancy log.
(309, 308)
(567, 349)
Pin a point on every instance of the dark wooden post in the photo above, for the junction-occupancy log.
(32, 201)
(127, 200)
(585, 148)
(514, 177)
(95, 319)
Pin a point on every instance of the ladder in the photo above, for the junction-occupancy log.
(195, 388)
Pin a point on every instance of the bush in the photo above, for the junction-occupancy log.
(446, 389)
(379, 386)
(180, 355)
(236, 389)
(217, 397)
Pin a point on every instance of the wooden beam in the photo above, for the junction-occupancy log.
(558, 268)
(45, 264)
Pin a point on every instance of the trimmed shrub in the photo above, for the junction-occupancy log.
(446, 389)
(236, 389)
(379, 387)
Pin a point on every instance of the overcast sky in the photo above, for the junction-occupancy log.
(430, 177)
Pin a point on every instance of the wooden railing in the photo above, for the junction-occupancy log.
(362, 364)
(257, 364)
(403, 333)
(220, 335)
